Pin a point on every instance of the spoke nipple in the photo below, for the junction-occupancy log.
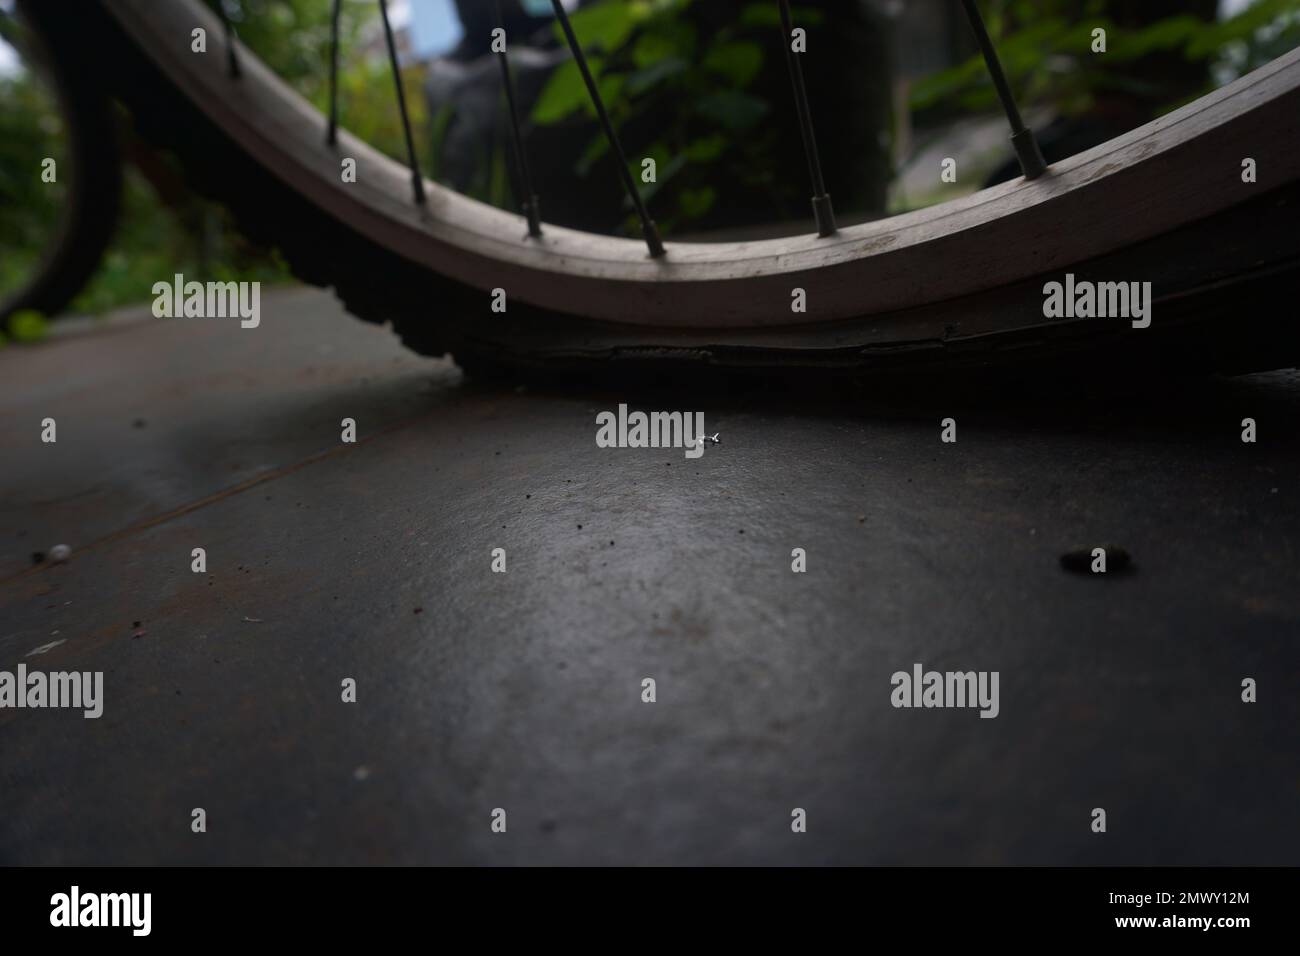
(1031, 157)
(651, 233)
(532, 210)
(824, 214)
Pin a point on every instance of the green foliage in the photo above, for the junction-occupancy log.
(31, 129)
(606, 26)
(766, 15)
(155, 242)
(1047, 54)
(194, 238)
(27, 325)
(293, 38)
(738, 61)
(649, 60)
(566, 92)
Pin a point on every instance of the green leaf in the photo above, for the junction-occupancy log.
(707, 149)
(739, 61)
(664, 38)
(653, 46)
(605, 25)
(694, 203)
(1022, 55)
(611, 88)
(732, 109)
(565, 92)
(649, 77)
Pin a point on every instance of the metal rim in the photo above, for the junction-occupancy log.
(1166, 174)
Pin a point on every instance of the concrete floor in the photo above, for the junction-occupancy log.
(523, 690)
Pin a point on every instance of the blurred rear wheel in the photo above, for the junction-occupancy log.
(89, 171)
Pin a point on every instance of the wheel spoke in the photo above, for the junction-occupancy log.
(823, 212)
(332, 135)
(232, 61)
(1022, 138)
(417, 181)
(648, 227)
(527, 198)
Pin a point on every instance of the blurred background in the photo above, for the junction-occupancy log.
(702, 87)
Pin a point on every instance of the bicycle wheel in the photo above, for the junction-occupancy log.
(91, 172)
(957, 284)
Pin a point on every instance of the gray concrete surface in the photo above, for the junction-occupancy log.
(522, 691)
